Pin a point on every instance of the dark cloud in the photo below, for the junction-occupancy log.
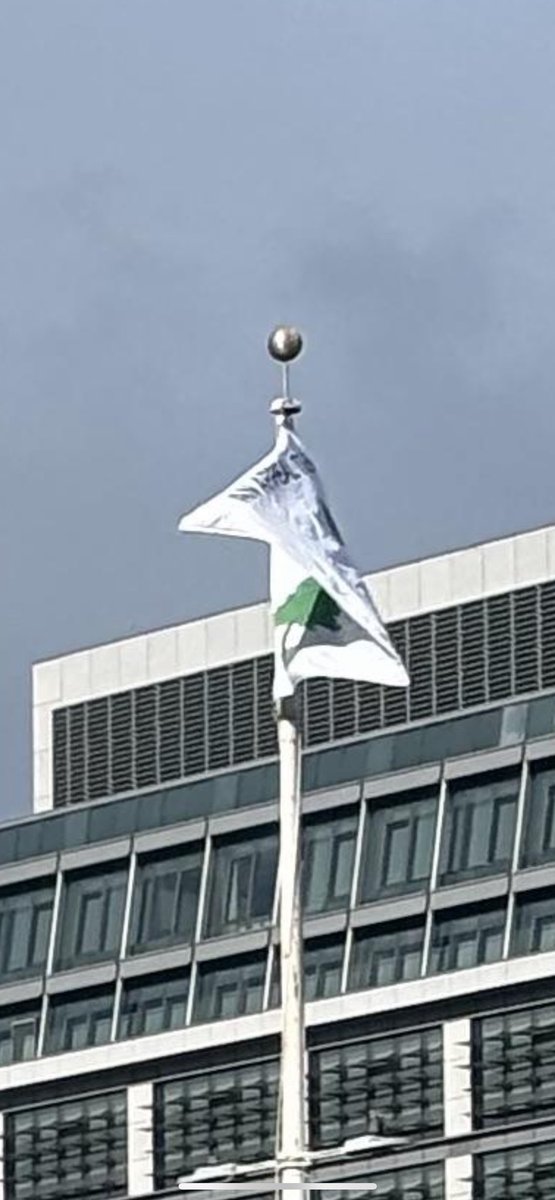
(172, 186)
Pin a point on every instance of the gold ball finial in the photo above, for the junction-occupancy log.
(285, 344)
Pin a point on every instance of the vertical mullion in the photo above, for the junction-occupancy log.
(519, 826)
(193, 971)
(116, 1009)
(267, 990)
(55, 919)
(128, 904)
(434, 873)
(42, 1025)
(199, 924)
(359, 843)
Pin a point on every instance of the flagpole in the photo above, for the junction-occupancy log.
(284, 346)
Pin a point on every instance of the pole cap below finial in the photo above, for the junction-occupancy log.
(285, 344)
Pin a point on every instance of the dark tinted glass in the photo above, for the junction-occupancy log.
(398, 845)
(526, 1173)
(328, 854)
(242, 883)
(91, 917)
(323, 969)
(410, 1183)
(323, 965)
(25, 918)
(429, 743)
(19, 1027)
(69, 1151)
(534, 923)
(466, 939)
(539, 830)
(230, 988)
(479, 827)
(219, 1116)
(513, 1066)
(390, 1086)
(386, 954)
(153, 1004)
(75, 1022)
(165, 900)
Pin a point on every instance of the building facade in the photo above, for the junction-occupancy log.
(139, 982)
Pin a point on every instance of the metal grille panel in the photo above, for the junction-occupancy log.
(458, 658)
(73, 1150)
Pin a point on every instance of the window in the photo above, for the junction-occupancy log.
(323, 965)
(231, 988)
(539, 832)
(513, 1066)
(398, 845)
(328, 854)
(165, 901)
(323, 968)
(70, 1151)
(534, 923)
(466, 939)
(479, 827)
(526, 1173)
(217, 1116)
(386, 954)
(25, 918)
(18, 1034)
(92, 916)
(386, 1086)
(74, 1022)
(409, 1183)
(242, 883)
(153, 1004)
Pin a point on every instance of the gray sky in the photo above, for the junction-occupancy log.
(179, 175)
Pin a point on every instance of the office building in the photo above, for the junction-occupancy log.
(139, 982)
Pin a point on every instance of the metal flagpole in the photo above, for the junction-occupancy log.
(285, 345)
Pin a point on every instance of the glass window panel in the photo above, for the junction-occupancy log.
(539, 828)
(165, 900)
(398, 845)
(242, 883)
(386, 954)
(25, 918)
(227, 1115)
(408, 1183)
(230, 988)
(386, 1086)
(323, 969)
(328, 855)
(91, 917)
(513, 1066)
(534, 923)
(467, 939)
(479, 827)
(525, 1173)
(153, 1005)
(323, 966)
(83, 1019)
(68, 1151)
(18, 1033)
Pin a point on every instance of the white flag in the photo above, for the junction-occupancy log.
(326, 621)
